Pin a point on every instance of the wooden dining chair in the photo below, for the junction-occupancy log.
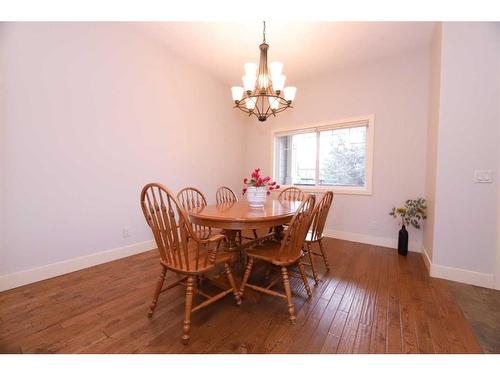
(191, 198)
(182, 251)
(315, 233)
(292, 194)
(225, 195)
(284, 253)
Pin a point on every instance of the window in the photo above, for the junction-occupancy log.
(334, 156)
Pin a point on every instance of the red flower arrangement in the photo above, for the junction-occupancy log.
(257, 181)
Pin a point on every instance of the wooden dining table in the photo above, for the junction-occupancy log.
(238, 216)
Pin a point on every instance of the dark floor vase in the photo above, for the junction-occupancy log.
(403, 241)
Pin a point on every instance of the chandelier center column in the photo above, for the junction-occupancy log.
(263, 81)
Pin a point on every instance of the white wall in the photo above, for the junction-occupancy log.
(432, 139)
(469, 121)
(395, 90)
(89, 113)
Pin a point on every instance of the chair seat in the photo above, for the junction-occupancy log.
(222, 257)
(269, 251)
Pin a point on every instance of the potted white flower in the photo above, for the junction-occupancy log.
(258, 188)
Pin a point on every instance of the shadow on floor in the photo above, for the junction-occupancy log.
(481, 307)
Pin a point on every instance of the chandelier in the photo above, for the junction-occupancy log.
(263, 93)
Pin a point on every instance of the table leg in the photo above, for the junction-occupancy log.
(230, 244)
(278, 232)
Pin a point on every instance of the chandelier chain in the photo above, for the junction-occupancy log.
(264, 32)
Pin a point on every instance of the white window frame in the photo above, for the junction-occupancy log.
(368, 120)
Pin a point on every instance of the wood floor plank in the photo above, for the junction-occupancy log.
(302, 337)
(379, 329)
(318, 336)
(363, 273)
(350, 330)
(280, 341)
(338, 286)
(407, 309)
(394, 334)
(363, 336)
(371, 301)
(332, 340)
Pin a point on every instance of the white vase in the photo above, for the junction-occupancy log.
(256, 196)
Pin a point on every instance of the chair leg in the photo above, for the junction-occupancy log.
(311, 260)
(246, 275)
(159, 285)
(187, 309)
(256, 236)
(304, 280)
(323, 255)
(230, 278)
(288, 291)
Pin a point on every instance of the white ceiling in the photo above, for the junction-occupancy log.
(306, 49)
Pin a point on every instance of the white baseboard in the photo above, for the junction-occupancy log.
(48, 271)
(371, 240)
(485, 280)
(427, 259)
(460, 275)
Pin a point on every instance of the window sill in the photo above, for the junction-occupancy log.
(336, 190)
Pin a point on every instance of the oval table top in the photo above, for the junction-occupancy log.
(239, 215)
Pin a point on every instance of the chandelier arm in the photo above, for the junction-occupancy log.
(283, 106)
(242, 108)
(281, 109)
(268, 109)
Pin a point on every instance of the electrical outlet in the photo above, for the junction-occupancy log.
(483, 176)
(126, 232)
(372, 225)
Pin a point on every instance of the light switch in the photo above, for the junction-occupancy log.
(483, 176)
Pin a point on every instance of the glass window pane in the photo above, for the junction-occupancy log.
(304, 159)
(296, 159)
(342, 157)
(283, 151)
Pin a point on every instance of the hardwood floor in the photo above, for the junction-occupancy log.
(481, 307)
(373, 301)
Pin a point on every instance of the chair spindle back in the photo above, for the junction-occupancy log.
(292, 194)
(191, 198)
(295, 235)
(319, 216)
(180, 248)
(225, 195)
